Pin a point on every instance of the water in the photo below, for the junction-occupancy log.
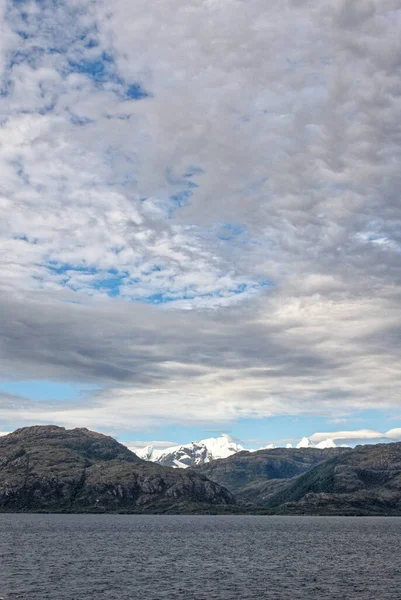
(107, 557)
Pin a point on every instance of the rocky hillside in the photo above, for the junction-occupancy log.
(256, 476)
(48, 468)
(365, 480)
(362, 481)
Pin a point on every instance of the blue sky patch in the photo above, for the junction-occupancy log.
(42, 391)
(231, 231)
(80, 121)
(135, 92)
(258, 432)
(193, 294)
(105, 281)
(98, 70)
(111, 284)
(181, 199)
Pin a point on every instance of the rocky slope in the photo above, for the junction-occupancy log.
(53, 469)
(362, 481)
(50, 468)
(256, 476)
(365, 480)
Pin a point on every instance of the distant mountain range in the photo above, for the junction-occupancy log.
(192, 454)
(365, 480)
(52, 469)
(328, 443)
(254, 477)
(204, 451)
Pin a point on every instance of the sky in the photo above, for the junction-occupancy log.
(200, 222)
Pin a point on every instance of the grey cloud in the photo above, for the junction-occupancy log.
(280, 355)
(292, 112)
(12, 402)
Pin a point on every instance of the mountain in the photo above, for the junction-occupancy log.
(307, 443)
(328, 444)
(48, 468)
(189, 455)
(204, 451)
(363, 481)
(254, 477)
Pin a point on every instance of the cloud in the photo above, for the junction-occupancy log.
(278, 355)
(159, 445)
(263, 122)
(359, 435)
(200, 208)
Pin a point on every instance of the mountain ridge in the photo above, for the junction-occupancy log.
(51, 468)
(183, 456)
(254, 476)
(365, 480)
(188, 455)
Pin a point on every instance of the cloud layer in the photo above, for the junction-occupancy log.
(200, 208)
(360, 436)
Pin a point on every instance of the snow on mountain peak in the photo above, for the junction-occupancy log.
(194, 453)
(326, 444)
(221, 447)
(305, 443)
(198, 453)
(146, 453)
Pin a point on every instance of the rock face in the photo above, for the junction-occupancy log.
(48, 468)
(362, 481)
(256, 476)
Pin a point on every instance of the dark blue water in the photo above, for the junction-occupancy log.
(76, 557)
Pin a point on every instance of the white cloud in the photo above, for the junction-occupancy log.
(359, 436)
(257, 104)
(279, 120)
(393, 434)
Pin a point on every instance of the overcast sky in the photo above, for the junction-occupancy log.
(201, 217)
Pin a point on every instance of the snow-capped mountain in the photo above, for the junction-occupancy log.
(329, 443)
(189, 455)
(199, 453)
(268, 447)
(307, 443)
